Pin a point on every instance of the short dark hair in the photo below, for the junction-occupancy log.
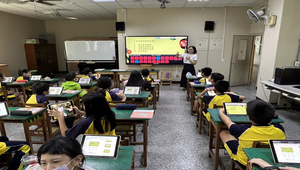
(1, 75)
(20, 72)
(61, 145)
(216, 76)
(145, 72)
(194, 48)
(260, 112)
(70, 76)
(222, 86)
(39, 87)
(104, 82)
(206, 71)
(86, 71)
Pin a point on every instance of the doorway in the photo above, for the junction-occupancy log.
(255, 60)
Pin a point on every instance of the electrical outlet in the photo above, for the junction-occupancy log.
(296, 63)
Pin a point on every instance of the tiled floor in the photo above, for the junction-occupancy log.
(173, 139)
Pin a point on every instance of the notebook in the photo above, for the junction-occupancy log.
(3, 109)
(7, 79)
(36, 77)
(101, 146)
(235, 108)
(285, 152)
(56, 90)
(142, 114)
(132, 90)
(84, 81)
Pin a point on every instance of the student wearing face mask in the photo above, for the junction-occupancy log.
(60, 153)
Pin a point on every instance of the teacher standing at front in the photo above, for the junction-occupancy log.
(189, 60)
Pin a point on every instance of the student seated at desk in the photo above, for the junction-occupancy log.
(20, 149)
(136, 79)
(60, 153)
(238, 137)
(205, 73)
(221, 97)
(71, 84)
(213, 78)
(265, 165)
(40, 91)
(146, 77)
(100, 119)
(88, 73)
(24, 75)
(10, 95)
(104, 84)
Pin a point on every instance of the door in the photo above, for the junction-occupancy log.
(241, 60)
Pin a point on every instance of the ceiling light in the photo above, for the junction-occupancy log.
(71, 18)
(163, 5)
(104, 0)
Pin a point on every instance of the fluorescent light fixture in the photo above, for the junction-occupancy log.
(104, 0)
(71, 18)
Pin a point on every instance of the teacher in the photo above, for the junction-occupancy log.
(189, 60)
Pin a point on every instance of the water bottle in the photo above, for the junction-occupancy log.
(168, 75)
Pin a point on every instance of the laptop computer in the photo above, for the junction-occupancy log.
(132, 90)
(100, 146)
(56, 90)
(235, 108)
(84, 81)
(285, 152)
(36, 77)
(3, 109)
(8, 79)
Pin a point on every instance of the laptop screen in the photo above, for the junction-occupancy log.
(285, 151)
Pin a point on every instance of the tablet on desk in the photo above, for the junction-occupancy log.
(3, 109)
(235, 108)
(285, 152)
(7, 79)
(101, 146)
(36, 77)
(84, 81)
(132, 90)
(56, 90)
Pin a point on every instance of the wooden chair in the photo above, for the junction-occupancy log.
(202, 118)
(164, 79)
(9, 102)
(256, 144)
(126, 142)
(146, 66)
(5, 159)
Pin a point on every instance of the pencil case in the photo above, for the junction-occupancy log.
(197, 82)
(20, 113)
(126, 106)
(22, 80)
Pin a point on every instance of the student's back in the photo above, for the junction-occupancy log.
(136, 79)
(40, 91)
(104, 84)
(70, 84)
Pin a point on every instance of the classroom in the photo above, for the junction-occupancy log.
(173, 138)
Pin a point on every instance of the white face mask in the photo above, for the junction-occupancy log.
(64, 167)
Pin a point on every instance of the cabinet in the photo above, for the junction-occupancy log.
(41, 57)
(4, 69)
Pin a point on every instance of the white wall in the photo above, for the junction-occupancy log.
(187, 21)
(14, 30)
(64, 30)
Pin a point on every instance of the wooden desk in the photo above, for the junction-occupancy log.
(107, 72)
(27, 121)
(90, 87)
(23, 86)
(263, 153)
(123, 117)
(52, 82)
(215, 125)
(189, 79)
(143, 96)
(195, 87)
(66, 97)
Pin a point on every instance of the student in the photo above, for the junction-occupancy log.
(24, 75)
(237, 137)
(60, 153)
(40, 91)
(104, 84)
(205, 73)
(71, 84)
(213, 78)
(88, 73)
(10, 95)
(220, 97)
(136, 79)
(20, 149)
(266, 166)
(146, 77)
(100, 118)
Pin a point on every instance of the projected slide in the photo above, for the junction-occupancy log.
(155, 50)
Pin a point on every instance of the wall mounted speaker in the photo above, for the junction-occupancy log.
(209, 25)
(120, 26)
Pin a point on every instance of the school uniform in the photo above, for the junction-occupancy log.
(148, 79)
(111, 96)
(218, 99)
(90, 76)
(86, 126)
(188, 67)
(202, 80)
(19, 148)
(209, 86)
(23, 78)
(246, 135)
(37, 99)
(9, 96)
(71, 85)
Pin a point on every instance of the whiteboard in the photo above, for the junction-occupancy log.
(90, 50)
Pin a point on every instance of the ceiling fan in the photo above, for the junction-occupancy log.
(45, 2)
(55, 13)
